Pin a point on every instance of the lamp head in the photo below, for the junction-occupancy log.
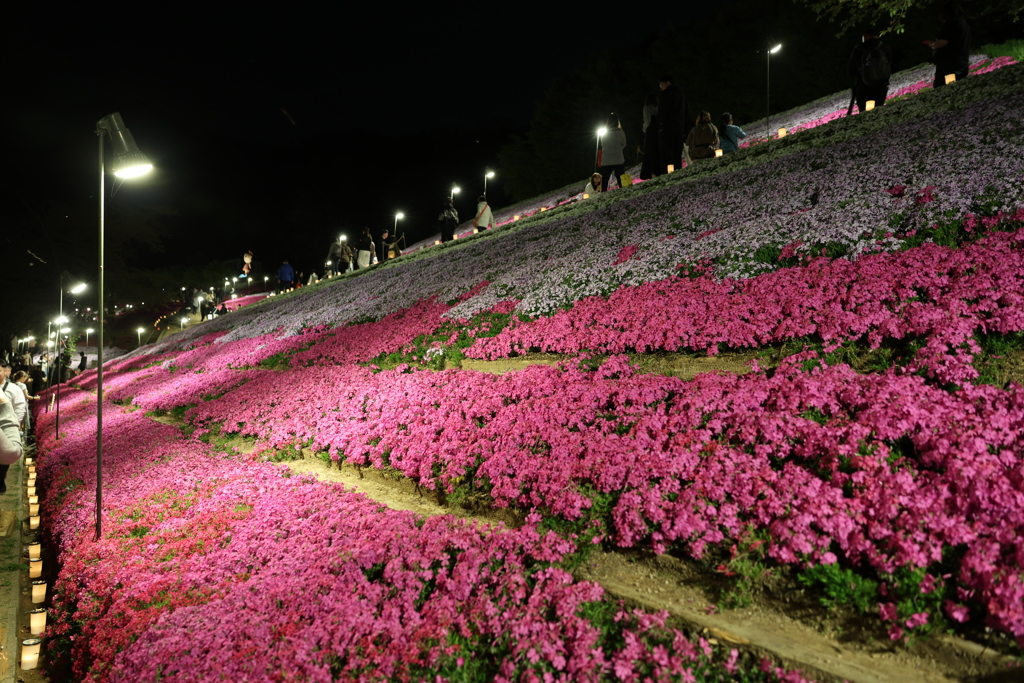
(456, 190)
(140, 330)
(128, 161)
(490, 174)
(78, 289)
(601, 132)
(399, 215)
(775, 49)
(61, 320)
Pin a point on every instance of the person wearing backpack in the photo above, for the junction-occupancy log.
(869, 69)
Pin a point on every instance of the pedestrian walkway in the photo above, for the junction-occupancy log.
(11, 570)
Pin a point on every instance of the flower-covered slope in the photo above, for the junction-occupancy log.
(904, 477)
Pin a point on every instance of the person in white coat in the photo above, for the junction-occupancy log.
(484, 216)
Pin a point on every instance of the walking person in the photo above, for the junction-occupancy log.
(869, 69)
(285, 276)
(364, 249)
(703, 139)
(613, 159)
(652, 166)
(730, 135)
(484, 216)
(448, 220)
(673, 122)
(339, 257)
(951, 50)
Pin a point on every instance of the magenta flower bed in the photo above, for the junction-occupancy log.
(218, 569)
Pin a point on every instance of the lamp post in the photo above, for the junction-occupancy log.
(489, 174)
(455, 190)
(127, 162)
(597, 148)
(88, 331)
(138, 333)
(397, 217)
(768, 91)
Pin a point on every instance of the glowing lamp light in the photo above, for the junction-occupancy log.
(950, 78)
(38, 592)
(775, 49)
(35, 550)
(33, 510)
(30, 653)
(671, 168)
(399, 216)
(601, 132)
(33, 500)
(515, 218)
(782, 132)
(869, 105)
(78, 289)
(37, 621)
(475, 231)
(718, 152)
(436, 242)
(586, 195)
(31, 490)
(543, 208)
(35, 568)
(33, 522)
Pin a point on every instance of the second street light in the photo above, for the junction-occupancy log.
(768, 93)
(489, 174)
(139, 333)
(455, 190)
(597, 148)
(126, 162)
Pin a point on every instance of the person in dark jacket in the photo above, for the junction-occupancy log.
(339, 257)
(364, 249)
(651, 168)
(285, 275)
(951, 50)
(869, 69)
(673, 123)
(448, 220)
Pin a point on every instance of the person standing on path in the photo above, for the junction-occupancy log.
(951, 50)
(484, 216)
(364, 249)
(673, 123)
(10, 439)
(448, 220)
(869, 69)
(285, 276)
(651, 167)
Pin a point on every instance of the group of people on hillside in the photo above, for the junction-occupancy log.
(672, 137)
(15, 417)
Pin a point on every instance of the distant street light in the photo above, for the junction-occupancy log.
(88, 331)
(139, 333)
(398, 216)
(183, 321)
(127, 162)
(489, 174)
(597, 148)
(455, 190)
(767, 87)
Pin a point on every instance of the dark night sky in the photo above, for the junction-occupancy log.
(242, 110)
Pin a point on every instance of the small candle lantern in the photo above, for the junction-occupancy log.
(33, 499)
(671, 168)
(33, 509)
(436, 242)
(869, 105)
(30, 461)
(543, 208)
(782, 132)
(586, 195)
(35, 568)
(35, 550)
(718, 152)
(950, 78)
(515, 218)
(476, 231)
(31, 469)
(37, 621)
(30, 653)
(31, 490)
(38, 592)
(33, 522)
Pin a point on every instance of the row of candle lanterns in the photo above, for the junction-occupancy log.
(31, 647)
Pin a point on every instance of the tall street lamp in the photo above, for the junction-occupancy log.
(139, 334)
(455, 190)
(88, 331)
(126, 162)
(397, 217)
(489, 174)
(597, 148)
(768, 91)
(77, 289)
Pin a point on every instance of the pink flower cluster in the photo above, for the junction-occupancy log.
(219, 569)
(935, 293)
